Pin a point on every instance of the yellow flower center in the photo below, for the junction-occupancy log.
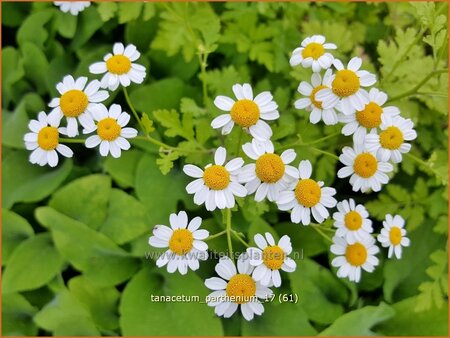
(245, 113)
(391, 138)
(313, 50)
(269, 168)
(395, 235)
(312, 97)
(73, 103)
(370, 117)
(108, 129)
(353, 220)
(365, 165)
(241, 288)
(181, 242)
(216, 177)
(273, 257)
(308, 192)
(118, 64)
(356, 254)
(48, 138)
(345, 83)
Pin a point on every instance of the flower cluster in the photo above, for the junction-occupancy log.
(270, 175)
(82, 104)
(380, 134)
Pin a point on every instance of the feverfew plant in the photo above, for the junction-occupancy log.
(243, 154)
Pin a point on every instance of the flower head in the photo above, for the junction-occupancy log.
(307, 196)
(312, 53)
(352, 221)
(236, 288)
(111, 129)
(390, 143)
(368, 119)
(77, 102)
(310, 102)
(366, 171)
(184, 242)
(393, 235)
(270, 173)
(352, 256)
(269, 258)
(247, 112)
(119, 67)
(74, 7)
(344, 87)
(44, 141)
(217, 184)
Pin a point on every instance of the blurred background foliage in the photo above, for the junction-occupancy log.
(75, 237)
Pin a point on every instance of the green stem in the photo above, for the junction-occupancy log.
(325, 153)
(203, 57)
(215, 235)
(127, 98)
(423, 163)
(321, 233)
(418, 86)
(228, 230)
(238, 148)
(239, 238)
(299, 143)
(71, 140)
(150, 139)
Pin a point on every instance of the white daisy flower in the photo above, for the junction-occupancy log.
(236, 288)
(217, 185)
(185, 243)
(270, 173)
(354, 256)
(76, 102)
(120, 67)
(307, 196)
(74, 7)
(247, 112)
(393, 235)
(310, 103)
(365, 170)
(352, 221)
(389, 144)
(368, 119)
(44, 141)
(269, 258)
(111, 131)
(344, 87)
(312, 53)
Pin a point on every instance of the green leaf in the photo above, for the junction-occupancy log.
(101, 302)
(33, 28)
(85, 199)
(152, 97)
(165, 162)
(15, 126)
(17, 316)
(107, 10)
(153, 193)
(35, 257)
(123, 169)
(259, 226)
(407, 322)
(126, 218)
(66, 24)
(12, 71)
(15, 230)
(320, 292)
(25, 182)
(66, 316)
(88, 24)
(36, 65)
(147, 123)
(359, 322)
(129, 11)
(141, 316)
(189, 106)
(89, 251)
(277, 320)
(176, 126)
